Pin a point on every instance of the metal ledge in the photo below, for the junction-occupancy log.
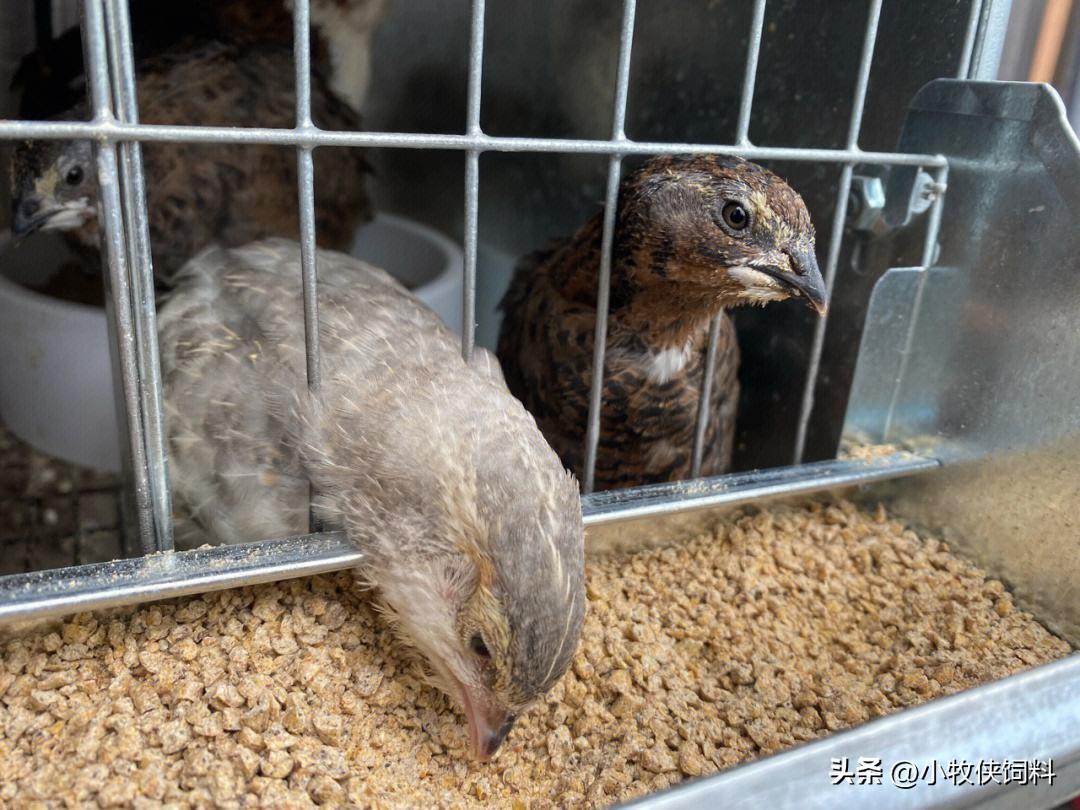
(615, 506)
(42, 594)
(1033, 715)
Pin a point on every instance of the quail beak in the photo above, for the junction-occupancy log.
(34, 212)
(805, 281)
(30, 213)
(488, 723)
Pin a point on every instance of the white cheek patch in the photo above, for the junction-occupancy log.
(749, 277)
(70, 215)
(756, 295)
(758, 287)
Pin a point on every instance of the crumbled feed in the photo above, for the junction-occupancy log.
(779, 627)
(857, 446)
(868, 452)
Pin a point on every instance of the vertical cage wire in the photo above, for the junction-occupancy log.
(753, 51)
(839, 216)
(702, 419)
(305, 174)
(133, 198)
(472, 180)
(114, 245)
(963, 69)
(611, 200)
(933, 227)
(742, 138)
(305, 182)
(471, 225)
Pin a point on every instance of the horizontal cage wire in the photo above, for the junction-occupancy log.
(116, 130)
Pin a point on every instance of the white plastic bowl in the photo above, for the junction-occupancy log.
(425, 261)
(56, 389)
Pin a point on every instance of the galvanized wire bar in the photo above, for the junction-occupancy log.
(817, 345)
(603, 296)
(863, 76)
(753, 51)
(67, 130)
(611, 204)
(840, 214)
(476, 68)
(472, 180)
(705, 398)
(302, 61)
(144, 314)
(933, 228)
(305, 180)
(97, 586)
(305, 165)
(471, 227)
(164, 576)
(305, 172)
(114, 248)
(742, 138)
(601, 509)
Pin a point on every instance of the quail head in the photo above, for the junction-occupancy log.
(202, 194)
(54, 186)
(694, 236)
(470, 527)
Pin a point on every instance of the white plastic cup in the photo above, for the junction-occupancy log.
(56, 378)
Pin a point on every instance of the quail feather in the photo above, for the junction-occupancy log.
(201, 194)
(50, 79)
(470, 527)
(694, 236)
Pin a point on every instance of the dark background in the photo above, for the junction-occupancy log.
(549, 71)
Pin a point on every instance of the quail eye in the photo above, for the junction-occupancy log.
(477, 645)
(735, 216)
(74, 176)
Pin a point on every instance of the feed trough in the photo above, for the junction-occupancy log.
(879, 605)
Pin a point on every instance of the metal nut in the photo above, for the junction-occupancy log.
(866, 202)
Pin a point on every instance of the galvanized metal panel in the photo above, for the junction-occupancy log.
(880, 357)
(1029, 716)
(992, 385)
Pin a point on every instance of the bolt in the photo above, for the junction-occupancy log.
(866, 202)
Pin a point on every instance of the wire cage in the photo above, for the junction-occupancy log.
(896, 354)
(116, 129)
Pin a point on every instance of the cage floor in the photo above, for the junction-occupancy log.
(54, 514)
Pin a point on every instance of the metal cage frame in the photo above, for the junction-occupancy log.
(1034, 712)
(118, 135)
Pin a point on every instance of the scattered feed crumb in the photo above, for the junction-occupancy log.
(868, 452)
(778, 627)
